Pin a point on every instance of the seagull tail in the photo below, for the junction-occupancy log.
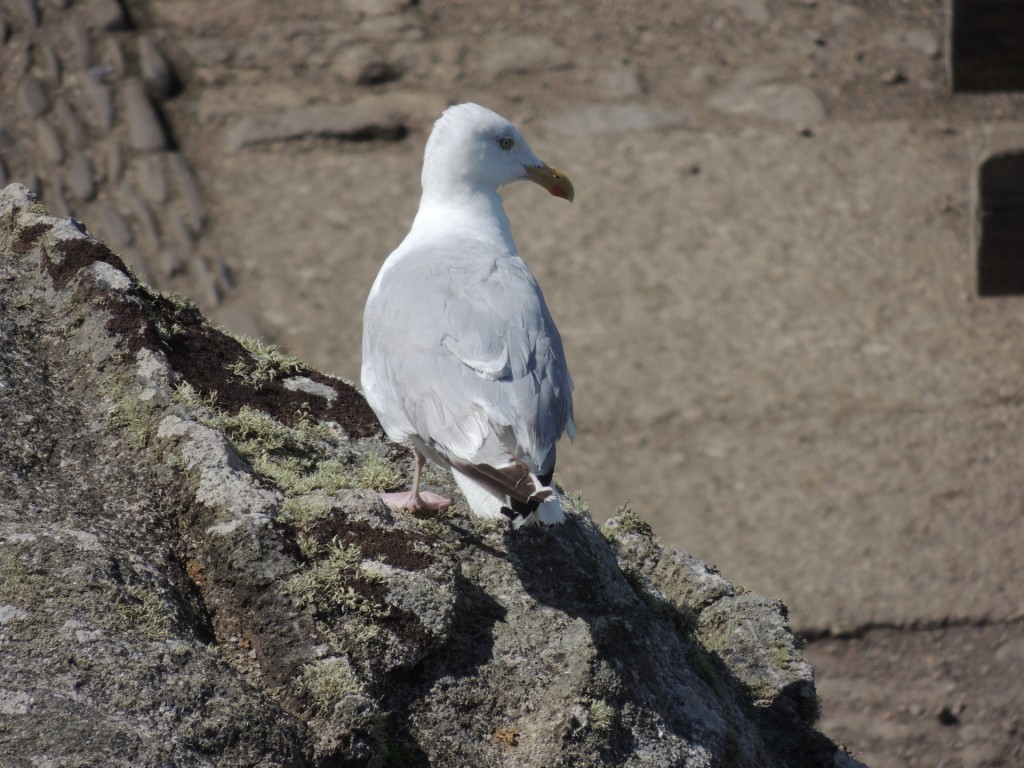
(487, 502)
(548, 512)
(483, 501)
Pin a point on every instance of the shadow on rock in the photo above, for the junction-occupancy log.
(661, 675)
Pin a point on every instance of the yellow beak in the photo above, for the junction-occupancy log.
(552, 179)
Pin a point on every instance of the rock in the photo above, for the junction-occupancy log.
(181, 235)
(365, 65)
(30, 10)
(82, 43)
(764, 93)
(755, 11)
(157, 73)
(68, 119)
(101, 99)
(4, 176)
(33, 97)
(925, 41)
(619, 83)
(370, 117)
(113, 59)
(145, 224)
(282, 615)
(146, 130)
(593, 119)
(49, 142)
(187, 187)
(106, 15)
(113, 226)
(56, 201)
(893, 76)
(523, 54)
(115, 160)
(1011, 652)
(378, 7)
(80, 178)
(149, 173)
(209, 289)
(33, 183)
(50, 64)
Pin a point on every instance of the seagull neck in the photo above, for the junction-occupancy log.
(472, 207)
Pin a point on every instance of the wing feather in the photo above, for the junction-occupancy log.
(460, 350)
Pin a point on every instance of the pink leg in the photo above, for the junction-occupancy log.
(413, 500)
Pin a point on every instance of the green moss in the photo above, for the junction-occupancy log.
(298, 460)
(294, 475)
(186, 394)
(782, 654)
(305, 509)
(254, 432)
(325, 583)
(140, 609)
(602, 714)
(577, 502)
(267, 363)
(135, 419)
(629, 521)
(379, 473)
(324, 681)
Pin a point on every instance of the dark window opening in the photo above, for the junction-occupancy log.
(986, 45)
(999, 225)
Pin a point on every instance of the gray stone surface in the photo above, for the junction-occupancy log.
(148, 569)
(594, 119)
(50, 145)
(106, 15)
(152, 181)
(517, 55)
(113, 227)
(70, 123)
(146, 131)
(101, 102)
(81, 178)
(188, 188)
(30, 11)
(82, 43)
(33, 96)
(157, 73)
(761, 92)
(368, 117)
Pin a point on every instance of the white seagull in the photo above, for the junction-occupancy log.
(461, 359)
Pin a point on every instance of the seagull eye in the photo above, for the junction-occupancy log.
(506, 142)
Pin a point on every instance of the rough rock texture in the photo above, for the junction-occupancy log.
(195, 572)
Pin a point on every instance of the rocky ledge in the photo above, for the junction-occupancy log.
(195, 571)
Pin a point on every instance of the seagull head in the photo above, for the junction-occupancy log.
(471, 145)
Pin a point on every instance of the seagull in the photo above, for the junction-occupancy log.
(461, 358)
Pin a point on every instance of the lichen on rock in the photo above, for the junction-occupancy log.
(195, 569)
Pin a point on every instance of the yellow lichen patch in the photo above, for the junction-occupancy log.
(506, 736)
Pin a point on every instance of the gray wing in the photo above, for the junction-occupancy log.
(459, 348)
